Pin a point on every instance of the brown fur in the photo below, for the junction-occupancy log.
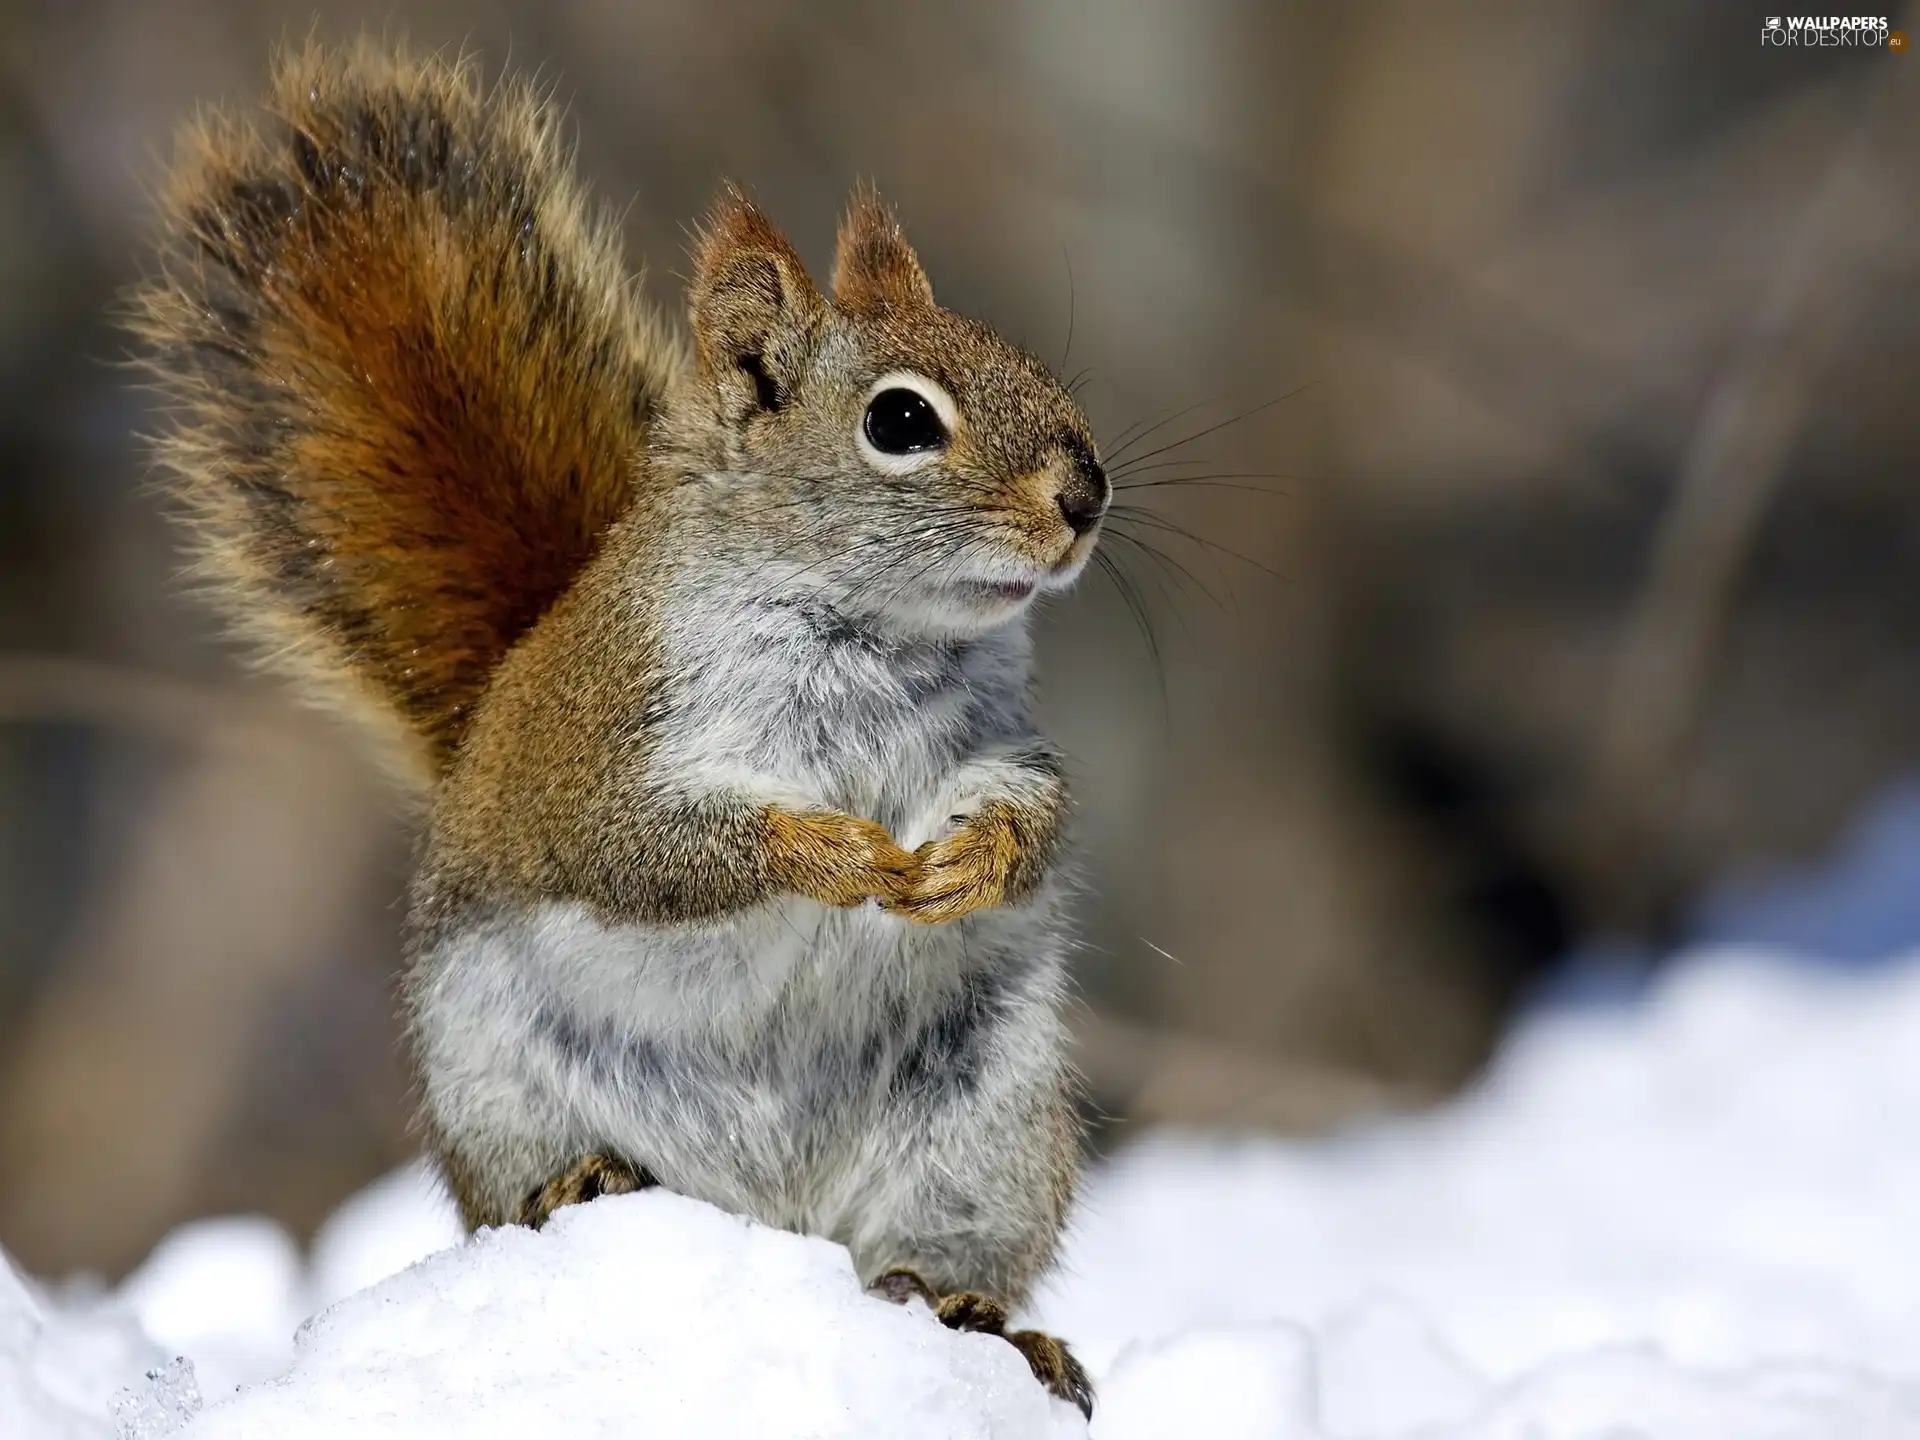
(408, 379)
(586, 1179)
(874, 268)
(837, 859)
(996, 858)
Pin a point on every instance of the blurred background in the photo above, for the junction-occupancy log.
(1531, 555)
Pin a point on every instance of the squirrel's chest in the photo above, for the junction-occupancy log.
(848, 724)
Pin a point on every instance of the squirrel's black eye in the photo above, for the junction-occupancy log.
(901, 422)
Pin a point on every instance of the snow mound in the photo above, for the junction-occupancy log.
(746, 1332)
(1723, 1172)
(638, 1315)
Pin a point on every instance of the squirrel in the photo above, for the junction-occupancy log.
(742, 864)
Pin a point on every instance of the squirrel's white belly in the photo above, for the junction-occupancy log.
(744, 1063)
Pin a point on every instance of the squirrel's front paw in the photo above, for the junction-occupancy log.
(966, 871)
(836, 859)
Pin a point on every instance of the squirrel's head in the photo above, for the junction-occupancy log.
(899, 461)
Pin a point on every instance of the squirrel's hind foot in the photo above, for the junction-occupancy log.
(588, 1178)
(1052, 1363)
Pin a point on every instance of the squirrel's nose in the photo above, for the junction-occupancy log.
(1083, 499)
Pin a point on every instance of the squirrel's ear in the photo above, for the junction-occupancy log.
(874, 268)
(754, 310)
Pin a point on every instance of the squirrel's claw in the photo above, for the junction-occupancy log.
(965, 872)
(588, 1178)
(1052, 1363)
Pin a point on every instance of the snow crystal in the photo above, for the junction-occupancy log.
(229, 1293)
(169, 1398)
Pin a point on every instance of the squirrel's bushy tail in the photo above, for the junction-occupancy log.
(408, 378)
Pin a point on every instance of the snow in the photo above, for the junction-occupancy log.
(1682, 1217)
(1265, 1383)
(1689, 1218)
(380, 1232)
(60, 1365)
(1860, 904)
(162, 1406)
(1717, 1172)
(643, 1315)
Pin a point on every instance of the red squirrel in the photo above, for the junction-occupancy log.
(742, 864)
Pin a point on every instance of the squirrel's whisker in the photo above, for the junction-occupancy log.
(1174, 567)
(1127, 439)
(1137, 515)
(1214, 429)
(1136, 607)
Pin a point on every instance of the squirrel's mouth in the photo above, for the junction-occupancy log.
(1001, 593)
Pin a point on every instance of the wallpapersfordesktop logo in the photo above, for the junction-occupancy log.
(1866, 32)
